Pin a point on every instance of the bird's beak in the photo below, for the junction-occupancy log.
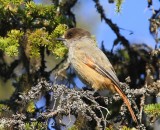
(60, 39)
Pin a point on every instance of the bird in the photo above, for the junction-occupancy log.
(91, 64)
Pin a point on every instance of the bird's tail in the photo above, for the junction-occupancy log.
(126, 101)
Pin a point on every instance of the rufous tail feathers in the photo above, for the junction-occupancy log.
(126, 101)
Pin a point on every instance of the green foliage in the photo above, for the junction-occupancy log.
(152, 109)
(40, 25)
(126, 128)
(27, 30)
(35, 126)
(36, 39)
(31, 107)
(119, 5)
(59, 30)
(15, 2)
(58, 47)
(29, 15)
(40, 37)
(60, 50)
(40, 12)
(10, 43)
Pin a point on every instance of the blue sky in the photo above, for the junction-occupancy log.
(134, 16)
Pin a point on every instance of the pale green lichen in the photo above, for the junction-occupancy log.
(40, 37)
(152, 109)
(59, 30)
(119, 5)
(10, 43)
(37, 39)
(31, 107)
(57, 47)
(35, 126)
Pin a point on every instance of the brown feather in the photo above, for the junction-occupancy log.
(126, 101)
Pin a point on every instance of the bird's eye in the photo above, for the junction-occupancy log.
(69, 35)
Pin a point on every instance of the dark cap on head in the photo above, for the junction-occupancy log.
(76, 33)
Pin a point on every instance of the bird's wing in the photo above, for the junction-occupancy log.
(106, 72)
(93, 57)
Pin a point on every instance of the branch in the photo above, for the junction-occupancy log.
(113, 26)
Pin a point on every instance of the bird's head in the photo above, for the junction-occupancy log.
(74, 34)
